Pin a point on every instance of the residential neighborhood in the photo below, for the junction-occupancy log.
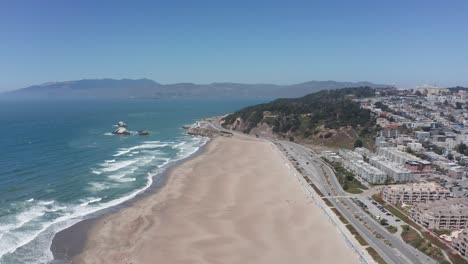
(418, 162)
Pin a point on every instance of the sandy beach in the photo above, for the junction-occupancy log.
(235, 203)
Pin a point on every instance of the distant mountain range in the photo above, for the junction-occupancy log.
(145, 88)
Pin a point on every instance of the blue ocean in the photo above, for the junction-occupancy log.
(59, 161)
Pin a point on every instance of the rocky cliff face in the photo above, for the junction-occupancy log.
(261, 129)
(205, 131)
(199, 131)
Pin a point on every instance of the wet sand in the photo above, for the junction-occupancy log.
(235, 203)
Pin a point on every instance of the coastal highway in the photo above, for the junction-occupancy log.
(318, 172)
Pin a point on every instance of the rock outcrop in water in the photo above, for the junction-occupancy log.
(121, 129)
(143, 132)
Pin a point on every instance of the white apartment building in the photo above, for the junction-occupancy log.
(413, 193)
(367, 172)
(349, 155)
(332, 156)
(422, 135)
(354, 162)
(414, 146)
(396, 155)
(394, 171)
(364, 152)
(409, 161)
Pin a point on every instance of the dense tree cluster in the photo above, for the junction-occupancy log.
(382, 106)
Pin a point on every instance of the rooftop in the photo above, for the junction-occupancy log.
(431, 186)
(448, 206)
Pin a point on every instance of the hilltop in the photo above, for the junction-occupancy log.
(329, 116)
(146, 88)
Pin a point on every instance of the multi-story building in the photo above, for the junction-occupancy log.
(332, 156)
(414, 146)
(381, 142)
(395, 155)
(367, 172)
(394, 171)
(460, 243)
(349, 155)
(418, 165)
(390, 131)
(365, 152)
(422, 135)
(354, 162)
(413, 193)
(411, 162)
(442, 214)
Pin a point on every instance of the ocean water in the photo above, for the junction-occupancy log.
(59, 162)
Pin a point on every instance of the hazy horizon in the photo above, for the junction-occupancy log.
(396, 43)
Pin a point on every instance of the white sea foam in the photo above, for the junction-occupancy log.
(90, 201)
(37, 241)
(179, 145)
(56, 208)
(145, 145)
(108, 134)
(126, 180)
(117, 165)
(30, 200)
(122, 174)
(96, 172)
(11, 233)
(22, 219)
(46, 202)
(98, 186)
(166, 161)
(140, 162)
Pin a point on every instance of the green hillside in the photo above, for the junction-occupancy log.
(308, 115)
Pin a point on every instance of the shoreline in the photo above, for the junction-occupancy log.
(70, 241)
(234, 204)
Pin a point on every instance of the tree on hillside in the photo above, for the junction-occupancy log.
(450, 156)
(358, 143)
(462, 149)
(381, 105)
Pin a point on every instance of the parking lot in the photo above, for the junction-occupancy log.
(377, 211)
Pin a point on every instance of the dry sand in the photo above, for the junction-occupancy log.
(235, 203)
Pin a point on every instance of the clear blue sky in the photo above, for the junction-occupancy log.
(403, 42)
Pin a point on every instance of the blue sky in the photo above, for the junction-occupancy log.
(406, 43)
